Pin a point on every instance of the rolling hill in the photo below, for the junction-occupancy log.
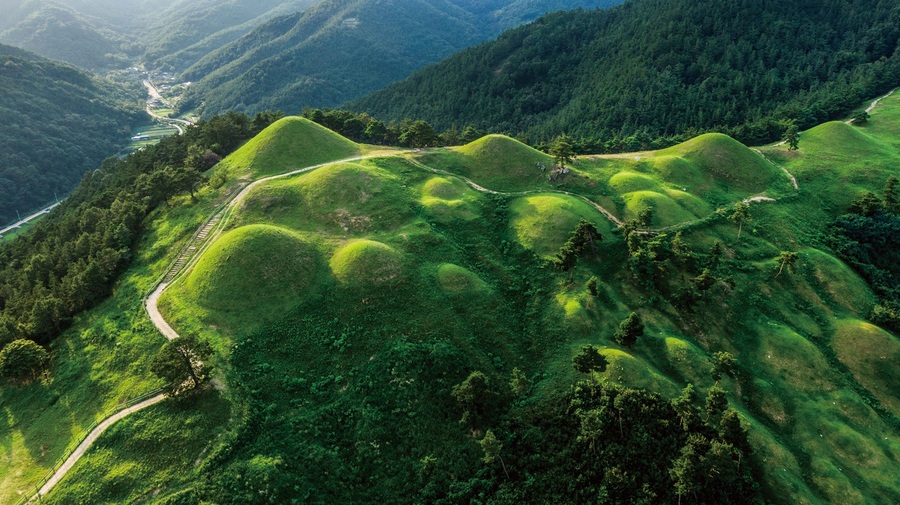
(56, 123)
(621, 78)
(406, 266)
(341, 49)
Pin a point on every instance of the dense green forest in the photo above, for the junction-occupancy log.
(69, 262)
(651, 69)
(339, 49)
(56, 123)
(63, 34)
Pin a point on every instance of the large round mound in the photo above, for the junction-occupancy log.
(836, 138)
(253, 266)
(366, 262)
(502, 163)
(545, 222)
(456, 280)
(726, 160)
(871, 354)
(339, 198)
(289, 144)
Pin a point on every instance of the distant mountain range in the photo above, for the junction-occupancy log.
(167, 35)
(56, 122)
(342, 49)
(653, 68)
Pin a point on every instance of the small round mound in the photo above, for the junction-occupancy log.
(628, 370)
(728, 161)
(626, 182)
(545, 222)
(288, 144)
(502, 163)
(839, 280)
(444, 200)
(439, 187)
(666, 211)
(456, 280)
(367, 262)
(254, 266)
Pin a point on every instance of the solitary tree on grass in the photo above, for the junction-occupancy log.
(891, 196)
(787, 258)
(183, 363)
(722, 364)
(22, 360)
(589, 360)
(629, 330)
(792, 137)
(561, 150)
(740, 214)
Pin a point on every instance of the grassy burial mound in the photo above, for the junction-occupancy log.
(344, 198)
(717, 165)
(449, 199)
(355, 387)
(288, 144)
(251, 274)
(496, 162)
(455, 280)
(367, 263)
(543, 223)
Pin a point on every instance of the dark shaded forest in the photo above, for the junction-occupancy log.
(56, 123)
(70, 261)
(650, 69)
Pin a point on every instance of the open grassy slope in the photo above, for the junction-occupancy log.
(289, 144)
(347, 302)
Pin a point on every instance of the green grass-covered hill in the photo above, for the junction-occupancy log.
(396, 329)
(388, 280)
(660, 68)
(288, 144)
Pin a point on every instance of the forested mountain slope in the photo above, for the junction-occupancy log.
(56, 122)
(166, 35)
(653, 68)
(179, 36)
(340, 49)
(61, 33)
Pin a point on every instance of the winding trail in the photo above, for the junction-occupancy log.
(201, 239)
(90, 439)
(874, 103)
(215, 225)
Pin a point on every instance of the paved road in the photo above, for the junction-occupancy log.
(27, 219)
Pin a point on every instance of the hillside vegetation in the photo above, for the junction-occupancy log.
(632, 76)
(339, 50)
(414, 286)
(56, 123)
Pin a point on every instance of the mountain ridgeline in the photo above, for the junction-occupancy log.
(339, 50)
(56, 123)
(651, 68)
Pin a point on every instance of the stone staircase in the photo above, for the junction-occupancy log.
(196, 242)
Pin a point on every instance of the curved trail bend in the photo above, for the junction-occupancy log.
(199, 241)
(213, 227)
